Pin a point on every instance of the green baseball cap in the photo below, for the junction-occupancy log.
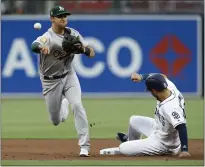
(58, 10)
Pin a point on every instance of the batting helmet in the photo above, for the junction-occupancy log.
(156, 82)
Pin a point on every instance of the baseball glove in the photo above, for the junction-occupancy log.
(71, 43)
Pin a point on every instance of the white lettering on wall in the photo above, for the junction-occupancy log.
(97, 68)
(19, 58)
(113, 52)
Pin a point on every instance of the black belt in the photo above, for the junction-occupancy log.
(52, 77)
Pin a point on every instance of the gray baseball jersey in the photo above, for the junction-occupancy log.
(57, 61)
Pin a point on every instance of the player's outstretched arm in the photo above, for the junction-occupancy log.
(182, 130)
(140, 77)
(38, 48)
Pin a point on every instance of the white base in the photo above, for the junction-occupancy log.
(110, 151)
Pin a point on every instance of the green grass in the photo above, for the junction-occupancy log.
(107, 163)
(29, 118)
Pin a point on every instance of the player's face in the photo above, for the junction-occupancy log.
(60, 20)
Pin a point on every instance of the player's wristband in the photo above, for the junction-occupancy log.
(87, 51)
(144, 76)
(183, 136)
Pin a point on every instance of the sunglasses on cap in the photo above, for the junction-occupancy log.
(61, 16)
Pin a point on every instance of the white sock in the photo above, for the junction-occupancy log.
(64, 111)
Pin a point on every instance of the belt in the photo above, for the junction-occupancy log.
(52, 77)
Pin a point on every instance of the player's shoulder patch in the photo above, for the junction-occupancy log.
(43, 39)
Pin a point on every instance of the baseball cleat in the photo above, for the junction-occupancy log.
(84, 153)
(122, 137)
(110, 151)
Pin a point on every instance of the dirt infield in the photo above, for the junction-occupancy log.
(22, 149)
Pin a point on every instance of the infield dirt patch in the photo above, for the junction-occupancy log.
(67, 149)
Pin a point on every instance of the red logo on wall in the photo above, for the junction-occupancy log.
(170, 47)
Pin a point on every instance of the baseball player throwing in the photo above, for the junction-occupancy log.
(167, 133)
(56, 49)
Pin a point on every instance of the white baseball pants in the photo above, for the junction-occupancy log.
(139, 126)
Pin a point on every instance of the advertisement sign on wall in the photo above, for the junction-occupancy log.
(123, 45)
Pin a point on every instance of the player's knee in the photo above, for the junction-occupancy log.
(133, 120)
(55, 121)
(125, 149)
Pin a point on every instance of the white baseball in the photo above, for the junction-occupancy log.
(37, 26)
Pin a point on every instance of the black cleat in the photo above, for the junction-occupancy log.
(122, 137)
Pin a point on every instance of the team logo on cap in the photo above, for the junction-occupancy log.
(61, 8)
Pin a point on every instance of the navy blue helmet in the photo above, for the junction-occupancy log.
(156, 82)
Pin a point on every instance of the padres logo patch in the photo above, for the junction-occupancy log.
(43, 39)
